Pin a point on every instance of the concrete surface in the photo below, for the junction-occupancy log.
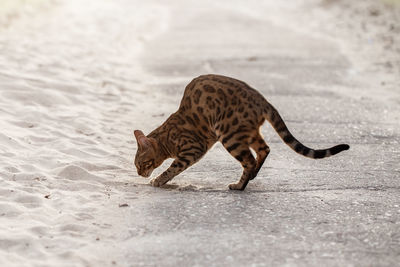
(341, 211)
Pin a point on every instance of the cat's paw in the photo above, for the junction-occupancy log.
(156, 183)
(236, 187)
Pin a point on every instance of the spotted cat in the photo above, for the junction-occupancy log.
(216, 108)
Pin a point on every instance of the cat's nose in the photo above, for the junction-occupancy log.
(146, 174)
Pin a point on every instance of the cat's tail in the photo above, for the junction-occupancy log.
(272, 115)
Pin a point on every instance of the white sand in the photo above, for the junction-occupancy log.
(67, 80)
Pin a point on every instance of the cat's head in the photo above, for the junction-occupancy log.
(147, 156)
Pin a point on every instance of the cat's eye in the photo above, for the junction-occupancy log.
(147, 164)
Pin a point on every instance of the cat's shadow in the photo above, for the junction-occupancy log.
(193, 188)
(187, 187)
(181, 187)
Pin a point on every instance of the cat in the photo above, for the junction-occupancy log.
(216, 108)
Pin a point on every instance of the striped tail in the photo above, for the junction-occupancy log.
(272, 115)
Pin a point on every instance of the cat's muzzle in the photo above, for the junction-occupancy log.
(145, 174)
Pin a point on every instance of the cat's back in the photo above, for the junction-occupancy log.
(218, 90)
(214, 84)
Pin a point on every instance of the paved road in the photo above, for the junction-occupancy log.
(339, 211)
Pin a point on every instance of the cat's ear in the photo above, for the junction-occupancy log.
(141, 139)
(138, 134)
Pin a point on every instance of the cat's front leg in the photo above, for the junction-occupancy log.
(189, 153)
(177, 166)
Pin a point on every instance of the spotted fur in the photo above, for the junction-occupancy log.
(217, 108)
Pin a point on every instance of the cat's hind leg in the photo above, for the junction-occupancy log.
(242, 153)
(262, 150)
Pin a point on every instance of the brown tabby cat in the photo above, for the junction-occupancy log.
(216, 108)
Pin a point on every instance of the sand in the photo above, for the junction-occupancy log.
(71, 93)
(69, 87)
